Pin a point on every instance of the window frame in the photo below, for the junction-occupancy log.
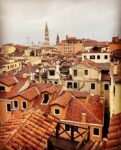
(68, 126)
(98, 131)
(14, 104)
(105, 56)
(75, 74)
(55, 111)
(92, 57)
(44, 98)
(50, 71)
(94, 86)
(22, 104)
(87, 72)
(98, 57)
(7, 107)
(71, 85)
(105, 85)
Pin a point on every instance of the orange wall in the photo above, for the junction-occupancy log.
(20, 100)
(4, 115)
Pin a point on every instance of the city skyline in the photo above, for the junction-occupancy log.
(93, 19)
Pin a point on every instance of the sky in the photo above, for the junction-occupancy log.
(21, 20)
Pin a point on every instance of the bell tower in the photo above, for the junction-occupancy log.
(46, 42)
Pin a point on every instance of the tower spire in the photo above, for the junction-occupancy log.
(46, 42)
(57, 40)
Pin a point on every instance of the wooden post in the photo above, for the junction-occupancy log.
(72, 133)
(57, 130)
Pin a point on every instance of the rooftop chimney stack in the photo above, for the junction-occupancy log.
(83, 117)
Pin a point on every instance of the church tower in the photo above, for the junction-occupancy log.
(57, 40)
(46, 42)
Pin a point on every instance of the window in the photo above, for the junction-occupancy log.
(75, 129)
(75, 72)
(92, 86)
(8, 107)
(75, 85)
(85, 72)
(106, 87)
(52, 72)
(95, 131)
(24, 106)
(92, 57)
(106, 57)
(57, 111)
(46, 98)
(2, 89)
(85, 57)
(69, 85)
(98, 56)
(114, 90)
(67, 127)
(15, 104)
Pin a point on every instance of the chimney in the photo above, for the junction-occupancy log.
(115, 39)
(40, 72)
(83, 117)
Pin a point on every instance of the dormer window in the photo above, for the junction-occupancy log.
(15, 104)
(2, 89)
(46, 98)
(24, 105)
(57, 111)
(8, 107)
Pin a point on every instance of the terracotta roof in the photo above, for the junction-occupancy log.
(114, 135)
(79, 94)
(93, 109)
(93, 145)
(8, 80)
(30, 93)
(15, 89)
(105, 77)
(41, 86)
(63, 100)
(27, 130)
(96, 66)
(89, 42)
(50, 89)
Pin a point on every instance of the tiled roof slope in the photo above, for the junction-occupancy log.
(93, 110)
(8, 80)
(30, 93)
(29, 131)
(63, 100)
(114, 135)
(93, 145)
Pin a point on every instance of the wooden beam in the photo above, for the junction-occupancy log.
(78, 147)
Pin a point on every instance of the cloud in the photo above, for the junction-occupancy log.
(82, 18)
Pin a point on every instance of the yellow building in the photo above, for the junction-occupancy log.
(70, 46)
(11, 65)
(115, 86)
(8, 48)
